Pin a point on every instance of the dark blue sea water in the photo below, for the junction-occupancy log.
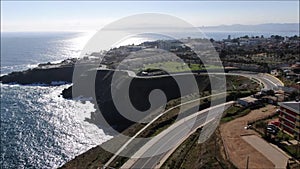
(39, 129)
(25, 50)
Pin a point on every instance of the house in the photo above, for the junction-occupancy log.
(289, 118)
(247, 101)
(287, 90)
(270, 99)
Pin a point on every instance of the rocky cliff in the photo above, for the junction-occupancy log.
(40, 76)
(116, 93)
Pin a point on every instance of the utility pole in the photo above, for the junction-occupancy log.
(247, 164)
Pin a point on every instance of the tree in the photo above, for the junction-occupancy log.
(270, 92)
(235, 40)
(294, 95)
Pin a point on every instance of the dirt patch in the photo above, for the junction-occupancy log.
(237, 148)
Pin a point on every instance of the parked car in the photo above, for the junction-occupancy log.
(271, 128)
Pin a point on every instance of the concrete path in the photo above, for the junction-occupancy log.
(275, 156)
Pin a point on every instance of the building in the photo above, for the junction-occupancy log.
(270, 99)
(247, 101)
(289, 118)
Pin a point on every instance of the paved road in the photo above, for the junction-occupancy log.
(173, 137)
(152, 121)
(175, 134)
(276, 157)
(269, 81)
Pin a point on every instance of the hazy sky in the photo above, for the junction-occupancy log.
(78, 16)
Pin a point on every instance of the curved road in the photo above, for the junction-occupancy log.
(156, 151)
(152, 154)
(269, 81)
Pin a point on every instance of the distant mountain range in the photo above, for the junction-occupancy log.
(274, 27)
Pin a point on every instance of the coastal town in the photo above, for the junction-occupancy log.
(268, 116)
(265, 109)
(259, 54)
(150, 85)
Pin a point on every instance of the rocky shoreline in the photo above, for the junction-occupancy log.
(139, 89)
(104, 90)
(43, 74)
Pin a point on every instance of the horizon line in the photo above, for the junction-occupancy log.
(92, 30)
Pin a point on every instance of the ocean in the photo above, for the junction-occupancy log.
(40, 129)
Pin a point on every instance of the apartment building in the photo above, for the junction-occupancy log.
(289, 118)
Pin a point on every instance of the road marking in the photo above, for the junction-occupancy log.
(139, 132)
(282, 84)
(172, 127)
(275, 85)
(234, 74)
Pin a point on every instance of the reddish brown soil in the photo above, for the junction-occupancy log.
(238, 150)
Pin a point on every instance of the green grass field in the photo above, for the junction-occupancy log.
(178, 67)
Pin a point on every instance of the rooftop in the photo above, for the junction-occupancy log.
(292, 105)
(248, 99)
